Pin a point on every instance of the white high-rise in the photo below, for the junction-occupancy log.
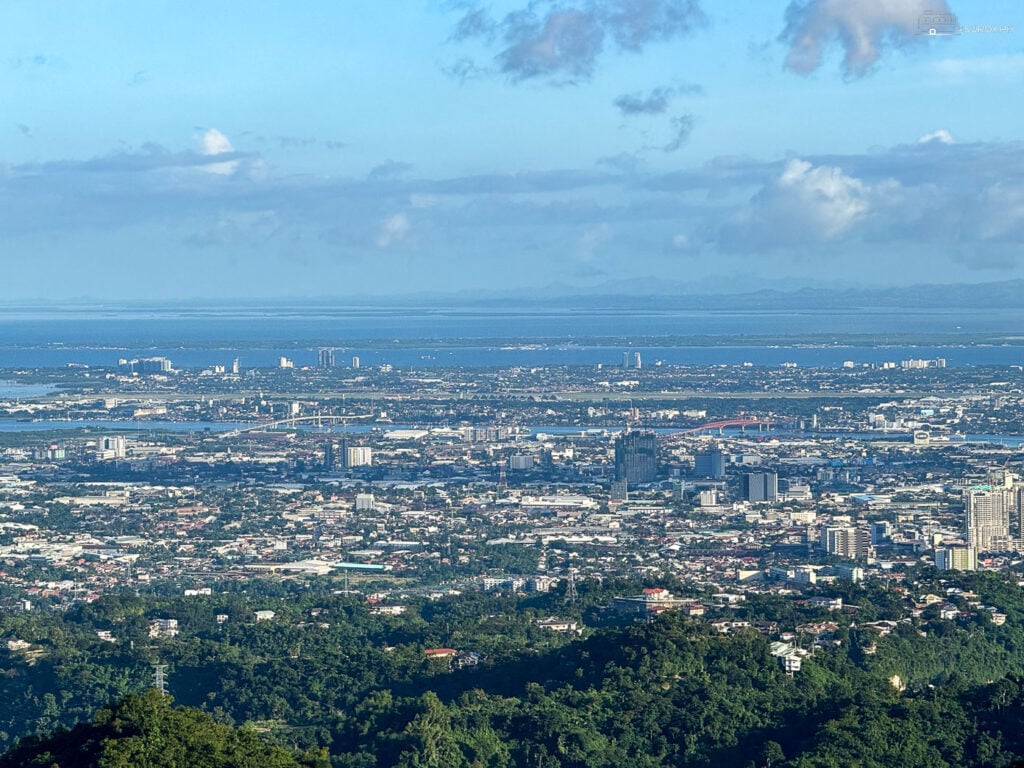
(987, 522)
(358, 456)
(853, 543)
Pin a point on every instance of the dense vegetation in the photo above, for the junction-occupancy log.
(144, 731)
(326, 672)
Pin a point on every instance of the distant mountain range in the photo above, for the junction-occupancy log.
(635, 293)
(1009, 294)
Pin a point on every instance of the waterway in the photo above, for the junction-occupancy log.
(473, 356)
(13, 390)
(144, 426)
(473, 337)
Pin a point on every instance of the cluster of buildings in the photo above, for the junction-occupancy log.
(511, 481)
(144, 365)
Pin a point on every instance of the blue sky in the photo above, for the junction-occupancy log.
(186, 149)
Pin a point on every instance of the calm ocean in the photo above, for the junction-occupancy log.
(480, 337)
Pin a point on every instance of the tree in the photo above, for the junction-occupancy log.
(145, 731)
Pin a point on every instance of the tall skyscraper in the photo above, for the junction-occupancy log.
(761, 486)
(987, 518)
(355, 361)
(636, 457)
(1017, 511)
(325, 358)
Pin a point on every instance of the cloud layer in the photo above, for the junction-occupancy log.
(933, 205)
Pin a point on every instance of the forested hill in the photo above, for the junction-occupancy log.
(145, 731)
(666, 693)
(672, 692)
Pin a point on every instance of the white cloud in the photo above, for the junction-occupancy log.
(805, 203)
(864, 29)
(912, 201)
(941, 136)
(216, 143)
(393, 230)
(829, 198)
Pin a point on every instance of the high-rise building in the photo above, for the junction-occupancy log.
(155, 365)
(619, 490)
(235, 366)
(284, 362)
(358, 456)
(881, 531)
(355, 361)
(956, 559)
(637, 363)
(145, 365)
(853, 543)
(625, 359)
(708, 497)
(1017, 497)
(761, 486)
(325, 358)
(329, 455)
(987, 518)
(520, 462)
(710, 463)
(115, 447)
(636, 457)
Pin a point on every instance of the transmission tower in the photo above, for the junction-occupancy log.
(570, 589)
(160, 677)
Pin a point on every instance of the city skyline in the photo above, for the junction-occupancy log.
(189, 152)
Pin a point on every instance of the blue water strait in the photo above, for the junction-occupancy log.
(486, 338)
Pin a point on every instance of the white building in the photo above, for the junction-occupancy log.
(163, 628)
(111, 448)
(358, 456)
(987, 520)
(853, 543)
